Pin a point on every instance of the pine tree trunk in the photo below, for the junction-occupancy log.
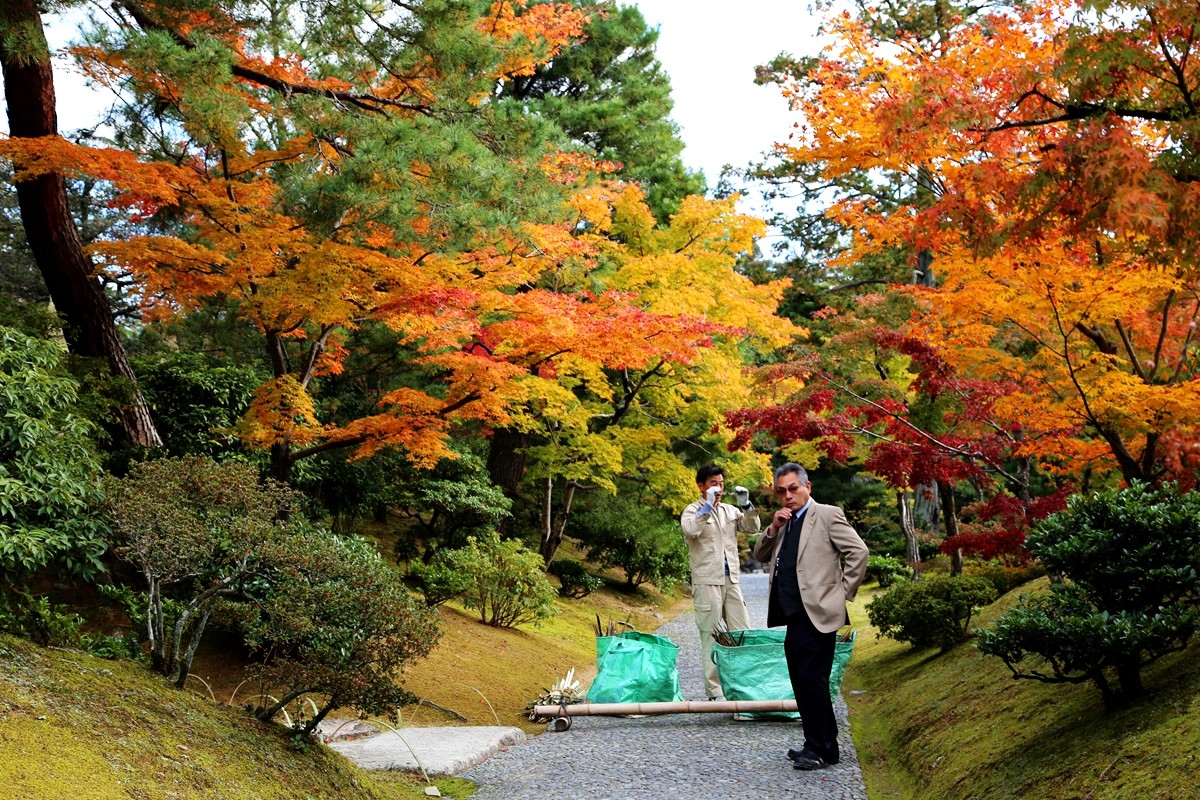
(53, 236)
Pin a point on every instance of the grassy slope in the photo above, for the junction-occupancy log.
(956, 725)
(476, 668)
(76, 726)
(927, 725)
(81, 727)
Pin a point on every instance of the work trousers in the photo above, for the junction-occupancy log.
(809, 654)
(712, 604)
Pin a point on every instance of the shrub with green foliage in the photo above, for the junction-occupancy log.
(197, 400)
(196, 530)
(508, 584)
(884, 569)
(336, 622)
(936, 611)
(440, 580)
(1005, 577)
(1130, 562)
(36, 618)
(49, 470)
(443, 506)
(644, 542)
(574, 579)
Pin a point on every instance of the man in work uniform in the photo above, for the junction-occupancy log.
(710, 530)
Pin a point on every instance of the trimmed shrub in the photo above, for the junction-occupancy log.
(574, 579)
(337, 623)
(1005, 577)
(1130, 562)
(935, 611)
(645, 543)
(196, 530)
(884, 569)
(508, 584)
(440, 580)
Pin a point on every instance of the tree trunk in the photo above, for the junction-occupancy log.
(185, 663)
(506, 459)
(53, 237)
(552, 529)
(912, 551)
(950, 517)
(281, 463)
(1129, 675)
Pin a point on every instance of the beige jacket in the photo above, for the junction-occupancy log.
(830, 565)
(712, 541)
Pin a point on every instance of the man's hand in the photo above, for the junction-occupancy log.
(780, 520)
(742, 494)
(712, 494)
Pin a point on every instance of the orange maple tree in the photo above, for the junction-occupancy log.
(1055, 146)
(318, 196)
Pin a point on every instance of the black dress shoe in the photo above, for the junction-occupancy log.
(806, 759)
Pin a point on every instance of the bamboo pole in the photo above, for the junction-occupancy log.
(678, 707)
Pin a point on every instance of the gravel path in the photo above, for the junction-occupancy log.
(674, 757)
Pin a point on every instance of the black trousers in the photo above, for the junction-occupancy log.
(809, 654)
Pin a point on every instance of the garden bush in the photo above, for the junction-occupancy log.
(507, 581)
(440, 580)
(50, 509)
(574, 579)
(645, 543)
(1130, 594)
(935, 611)
(196, 530)
(336, 623)
(1005, 577)
(884, 569)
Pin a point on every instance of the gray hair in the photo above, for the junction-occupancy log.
(791, 467)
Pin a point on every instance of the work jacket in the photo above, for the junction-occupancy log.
(712, 541)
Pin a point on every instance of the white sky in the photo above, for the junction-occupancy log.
(710, 49)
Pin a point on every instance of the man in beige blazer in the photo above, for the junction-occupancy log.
(816, 561)
(710, 530)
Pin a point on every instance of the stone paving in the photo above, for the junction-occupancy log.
(673, 757)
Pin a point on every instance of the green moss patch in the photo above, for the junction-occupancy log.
(957, 725)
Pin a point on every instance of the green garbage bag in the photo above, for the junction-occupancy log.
(635, 667)
(755, 670)
(841, 657)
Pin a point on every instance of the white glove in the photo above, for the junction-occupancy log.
(743, 497)
(712, 493)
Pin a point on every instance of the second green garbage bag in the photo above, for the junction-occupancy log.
(756, 668)
(635, 667)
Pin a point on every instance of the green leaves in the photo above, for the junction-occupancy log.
(1129, 558)
(935, 611)
(509, 585)
(49, 470)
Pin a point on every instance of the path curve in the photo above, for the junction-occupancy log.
(673, 757)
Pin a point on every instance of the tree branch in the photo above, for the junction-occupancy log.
(364, 100)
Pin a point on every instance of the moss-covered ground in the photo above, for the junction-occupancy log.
(957, 725)
(75, 726)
